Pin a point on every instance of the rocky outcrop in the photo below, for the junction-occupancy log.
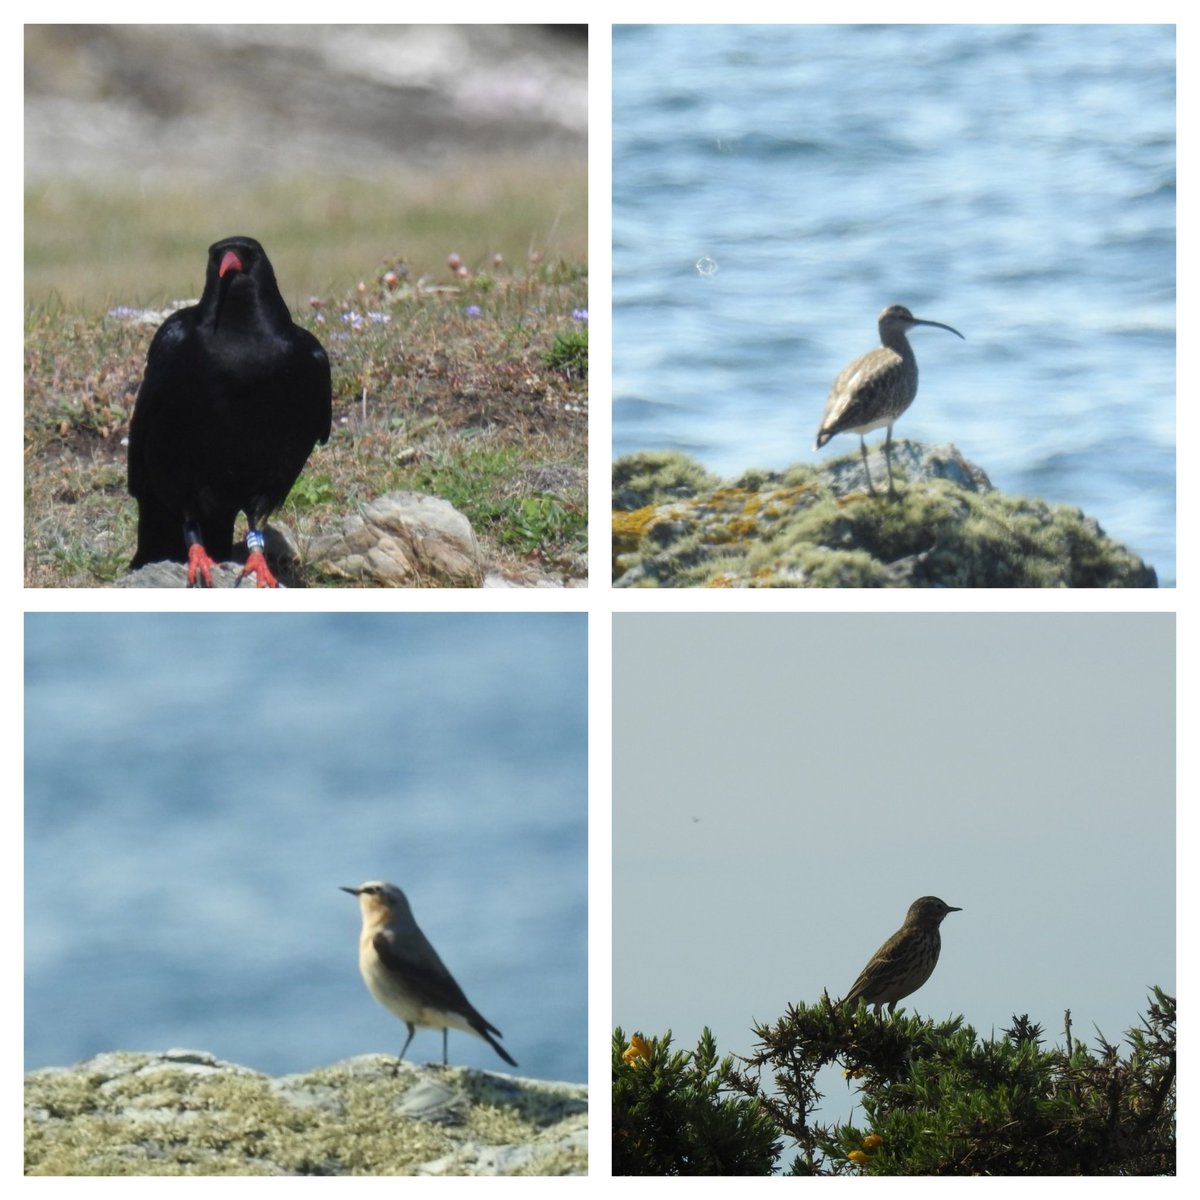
(403, 539)
(187, 1113)
(280, 551)
(675, 525)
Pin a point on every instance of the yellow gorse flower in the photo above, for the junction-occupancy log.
(638, 1048)
(872, 1141)
(858, 1156)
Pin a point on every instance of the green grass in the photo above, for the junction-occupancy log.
(569, 354)
(494, 488)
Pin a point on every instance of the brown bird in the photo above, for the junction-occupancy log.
(877, 388)
(906, 960)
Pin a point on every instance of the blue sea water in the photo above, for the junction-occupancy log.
(198, 788)
(775, 187)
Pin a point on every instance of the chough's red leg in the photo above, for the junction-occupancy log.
(256, 563)
(199, 564)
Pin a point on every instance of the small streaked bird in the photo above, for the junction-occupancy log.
(874, 390)
(906, 960)
(404, 973)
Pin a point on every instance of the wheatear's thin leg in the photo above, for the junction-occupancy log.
(411, 1030)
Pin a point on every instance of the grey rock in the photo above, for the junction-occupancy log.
(189, 1113)
(281, 554)
(403, 539)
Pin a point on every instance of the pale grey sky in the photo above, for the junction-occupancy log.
(785, 785)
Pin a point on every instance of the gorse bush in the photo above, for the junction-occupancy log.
(670, 1118)
(936, 1099)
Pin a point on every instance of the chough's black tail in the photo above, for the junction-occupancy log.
(160, 536)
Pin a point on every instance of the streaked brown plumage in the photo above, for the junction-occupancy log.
(877, 388)
(906, 960)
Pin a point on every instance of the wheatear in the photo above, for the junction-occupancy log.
(403, 972)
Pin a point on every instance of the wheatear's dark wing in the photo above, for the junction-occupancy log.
(424, 974)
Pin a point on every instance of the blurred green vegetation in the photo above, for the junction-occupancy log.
(97, 246)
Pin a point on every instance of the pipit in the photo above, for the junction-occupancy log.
(905, 960)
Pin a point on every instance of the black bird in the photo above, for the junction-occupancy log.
(234, 398)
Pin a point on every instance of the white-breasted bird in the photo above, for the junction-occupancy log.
(404, 973)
